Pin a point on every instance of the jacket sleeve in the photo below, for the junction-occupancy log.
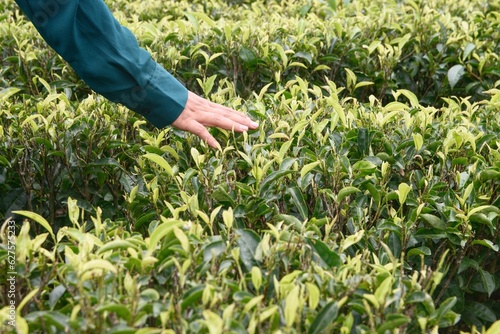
(107, 57)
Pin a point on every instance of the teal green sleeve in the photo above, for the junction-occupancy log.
(107, 57)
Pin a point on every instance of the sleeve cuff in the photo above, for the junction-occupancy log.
(160, 101)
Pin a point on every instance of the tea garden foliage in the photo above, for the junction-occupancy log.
(366, 202)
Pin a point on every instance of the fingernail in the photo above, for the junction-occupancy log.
(243, 128)
(254, 124)
(214, 144)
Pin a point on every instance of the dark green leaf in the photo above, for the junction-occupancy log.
(416, 297)
(247, 241)
(13, 200)
(192, 296)
(346, 191)
(419, 251)
(249, 57)
(454, 75)
(299, 202)
(51, 318)
(272, 178)
(325, 254)
(488, 281)
(373, 191)
(122, 311)
(363, 142)
(55, 295)
(489, 174)
(486, 243)
(290, 220)
(324, 318)
(434, 221)
(444, 308)
(304, 55)
(4, 161)
(145, 219)
(392, 322)
(106, 162)
(468, 49)
(213, 249)
(466, 263)
(482, 311)
(481, 218)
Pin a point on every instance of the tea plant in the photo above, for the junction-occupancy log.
(367, 201)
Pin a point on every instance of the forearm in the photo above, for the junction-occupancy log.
(107, 56)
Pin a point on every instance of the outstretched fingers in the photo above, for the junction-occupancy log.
(200, 113)
(222, 121)
(237, 116)
(200, 131)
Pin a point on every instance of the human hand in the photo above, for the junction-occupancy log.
(200, 113)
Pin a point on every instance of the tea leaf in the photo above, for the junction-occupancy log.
(272, 178)
(352, 239)
(116, 244)
(467, 50)
(346, 191)
(161, 231)
(192, 296)
(455, 73)
(487, 208)
(482, 311)
(160, 161)
(403, 191)
(213, 249)
(419, 251)
(204, 17)
(307, 168)
(6, 93)
(417, 140)
(183, 239)
(228, 217)
(26, 299)
(488, 281)
(324, 318)
(252, 303)
(56, 294)
(250, 59)
(256, 277)
(383, 290)
(98, 264)
(329, 257)
(213, 322)
(411, 97)
(264, 315)
(120, 310)
(291, 306)
(247, 241)
(363, 141)
(434, 221)
(39, 219)
(314, 295)
(396, 321)
(444, 308)
(486, 243)
(299, 202)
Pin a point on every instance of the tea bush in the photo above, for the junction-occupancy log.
(366, 202)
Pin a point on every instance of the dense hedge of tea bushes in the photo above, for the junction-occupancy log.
(366, 202)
